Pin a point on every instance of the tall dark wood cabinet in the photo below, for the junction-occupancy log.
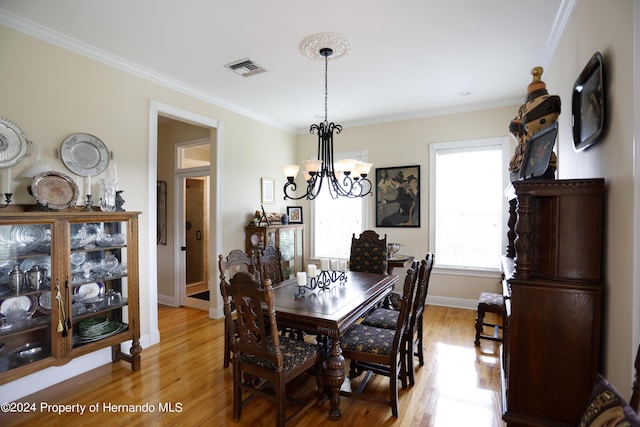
(553, 302)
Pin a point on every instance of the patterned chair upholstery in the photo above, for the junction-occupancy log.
(236, 261)
(379, 350)
(368, 253)
(387, 318)
(257, 353)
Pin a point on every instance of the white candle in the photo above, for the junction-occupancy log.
(311, 270)
(7, 183)
(342, 265)
(324, 264)
(88, 182)
(115, 171)
(334, 265)
(302, 278)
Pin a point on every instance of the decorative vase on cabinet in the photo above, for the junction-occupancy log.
(82, 292)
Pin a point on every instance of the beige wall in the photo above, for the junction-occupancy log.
(50, 93)
(406, 143)
(606, 27)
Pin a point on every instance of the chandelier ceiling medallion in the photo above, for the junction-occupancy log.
(345, 178)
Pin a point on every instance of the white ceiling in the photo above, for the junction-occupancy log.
(409, 58)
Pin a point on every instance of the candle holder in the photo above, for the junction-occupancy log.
(88, 204)
(322, 281)
(7, 200)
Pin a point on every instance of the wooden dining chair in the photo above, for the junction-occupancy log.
(236, 261)
(383, 317)
(269, 263)
(262, 359)
(379, 350)
(388, 317)
(414, 332)
(368, 253)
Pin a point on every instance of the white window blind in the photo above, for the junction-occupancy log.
(335, 220)
(468, 207)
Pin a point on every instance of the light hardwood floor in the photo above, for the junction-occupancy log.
(458, 385)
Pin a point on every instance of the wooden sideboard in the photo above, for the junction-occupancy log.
(553, 301)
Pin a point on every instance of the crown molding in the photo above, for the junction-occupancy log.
(45, 34)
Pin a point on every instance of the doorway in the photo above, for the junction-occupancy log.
(192, 165)
(196, 236)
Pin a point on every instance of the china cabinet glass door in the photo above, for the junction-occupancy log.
(26, 295)
(99, 291)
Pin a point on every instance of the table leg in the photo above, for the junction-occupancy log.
(334, 377)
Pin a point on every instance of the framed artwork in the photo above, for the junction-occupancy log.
(398, 196)
(295, 214)
(267, 190)
(587, 104)
(161, 237)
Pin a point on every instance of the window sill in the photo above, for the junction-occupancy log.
(457, 271)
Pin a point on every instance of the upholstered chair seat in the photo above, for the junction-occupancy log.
(386, 318)
(368, 339)
(294, 352)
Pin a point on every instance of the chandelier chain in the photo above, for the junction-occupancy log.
(326, 86)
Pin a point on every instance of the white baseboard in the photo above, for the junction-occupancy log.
(167, 300)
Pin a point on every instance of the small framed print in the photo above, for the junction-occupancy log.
(267, 190)
(295, 214)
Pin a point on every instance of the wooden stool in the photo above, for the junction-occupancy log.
(489, 303)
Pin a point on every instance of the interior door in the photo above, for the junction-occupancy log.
(196, 237)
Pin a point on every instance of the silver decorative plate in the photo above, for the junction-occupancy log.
(84, 154)
(13, 144)
(54, 190)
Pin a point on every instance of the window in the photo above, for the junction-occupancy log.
(335, 220)
(467, 204)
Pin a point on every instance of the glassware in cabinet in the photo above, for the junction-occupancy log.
(99, 281)
(25, 294)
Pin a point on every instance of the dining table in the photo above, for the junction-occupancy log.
(329, 312)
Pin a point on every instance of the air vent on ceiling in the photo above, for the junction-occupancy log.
(245, 67)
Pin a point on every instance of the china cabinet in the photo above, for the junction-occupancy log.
(553, 292)
(68, 287)
(289, 238)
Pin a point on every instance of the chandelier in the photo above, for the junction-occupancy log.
(345, 178)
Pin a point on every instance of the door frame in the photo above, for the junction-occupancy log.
(179, 283)
(215, 220)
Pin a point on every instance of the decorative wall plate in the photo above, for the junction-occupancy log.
(588, 104)
(54, 190)
(13, 144)
(84, 154)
